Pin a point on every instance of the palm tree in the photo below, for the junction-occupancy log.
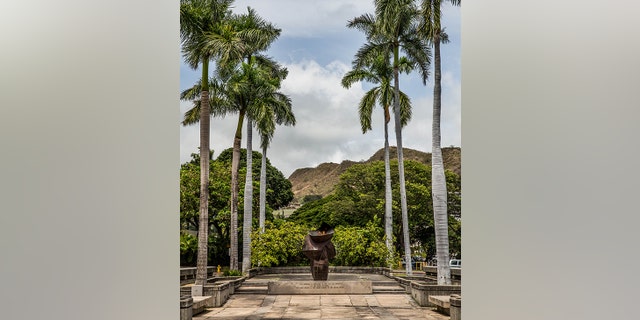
(197, 19)
(263, 103)
(394, 28)
(274, 110)
(432, 29)
(380, 71)
(240, 41)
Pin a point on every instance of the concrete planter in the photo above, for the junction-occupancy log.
(456, 306)
(186, 312)
(219, 292)
(421, 292)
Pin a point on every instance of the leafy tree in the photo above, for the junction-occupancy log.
(358, 199)
(278, 193)
(311, 197)
(279, 190)
(188, 249)
(314, 212)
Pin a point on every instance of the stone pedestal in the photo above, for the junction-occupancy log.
(186, 312)
(320, 287)
(197, 291)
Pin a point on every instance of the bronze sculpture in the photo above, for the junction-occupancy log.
(319, 249)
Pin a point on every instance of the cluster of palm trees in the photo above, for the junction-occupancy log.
(244, 82)
(402, 26)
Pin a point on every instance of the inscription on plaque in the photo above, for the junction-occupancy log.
(320, 287)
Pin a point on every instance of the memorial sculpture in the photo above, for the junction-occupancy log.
(319, 249)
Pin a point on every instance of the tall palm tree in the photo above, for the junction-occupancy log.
(248, 202)
(380, 72)
(197, 19)
(238, 43)
(432, 29)
(275, 110)
(392, 29)
(245, 91)
(263, 95)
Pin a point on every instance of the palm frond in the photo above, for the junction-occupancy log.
(405, 109)
(418, 52)
(365, 108)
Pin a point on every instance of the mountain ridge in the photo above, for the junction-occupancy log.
(322, 179)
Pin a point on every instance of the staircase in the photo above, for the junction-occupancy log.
(252, 287)
(387, 287)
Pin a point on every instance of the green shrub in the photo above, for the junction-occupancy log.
(357, 246)
(188, 249)
(232, 273)
(279, 245)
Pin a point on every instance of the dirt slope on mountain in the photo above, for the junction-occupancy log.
(321, 179)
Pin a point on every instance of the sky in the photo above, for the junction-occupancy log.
(317, 48)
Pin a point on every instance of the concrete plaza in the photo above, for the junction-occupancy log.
(352, 306)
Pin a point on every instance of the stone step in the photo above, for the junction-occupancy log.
(255, 284)
(251, 290)
(385, 283)
(389, 289)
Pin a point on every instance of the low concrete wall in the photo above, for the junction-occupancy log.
(421, 292)
(219, 292)
(306, 269)
(190, 273)
(456, 273)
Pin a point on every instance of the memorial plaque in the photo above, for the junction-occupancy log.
(320, 287)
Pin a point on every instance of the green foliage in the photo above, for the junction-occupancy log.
(279, 245)
(188, 249)
(359, 199)
(278, 192)
(360, 246)
(311, 197)
(314, 212)
(232, 273)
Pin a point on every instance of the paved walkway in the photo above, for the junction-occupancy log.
(369, 306)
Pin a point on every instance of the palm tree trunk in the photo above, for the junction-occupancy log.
(235, 188)
(263, 187)
(388, 217)
(438, 182)
(248, 203)
(403, 192)
(203, 228)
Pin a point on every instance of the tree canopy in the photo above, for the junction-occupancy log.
(278, 194)
(358, 199)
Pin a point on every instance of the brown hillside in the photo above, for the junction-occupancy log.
(450, 157)
(321, 179)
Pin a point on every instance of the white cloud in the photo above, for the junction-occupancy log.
(307, 18)
(328, 128)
